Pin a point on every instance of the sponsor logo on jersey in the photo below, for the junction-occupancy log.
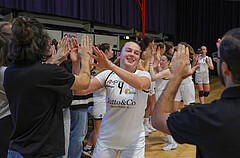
(131, 90)
(113, 82)
(110, 86)
(121, 103)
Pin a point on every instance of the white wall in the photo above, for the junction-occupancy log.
(96, 39)
(112, 40)
(55, 34)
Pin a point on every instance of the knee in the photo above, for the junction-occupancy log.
(206, 94)
(200, 93)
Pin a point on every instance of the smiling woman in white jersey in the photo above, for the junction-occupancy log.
(126, 98)
(202, 74)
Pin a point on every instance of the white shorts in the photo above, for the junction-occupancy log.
(134, 150)
(152, 89)
(99, 108)
(201, 78)
(186, 92)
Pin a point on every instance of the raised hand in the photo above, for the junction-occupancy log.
(218, 43)
(52, 52)
(196, 57)
(195, 60)
(180, 63)
(62, 53)
(154, 51)
(86, 46)
(151, 60)
(100, 57)
(74, 46)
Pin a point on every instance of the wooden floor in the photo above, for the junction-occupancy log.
(155, 143)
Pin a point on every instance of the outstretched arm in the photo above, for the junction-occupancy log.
(164, 105)
(160, 75)
(80, 55)
(93, 86)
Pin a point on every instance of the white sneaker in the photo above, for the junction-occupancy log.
(87, 150)
(174, 145)
(149, 126)
(170, 146)
(146, 129)
(146, 134)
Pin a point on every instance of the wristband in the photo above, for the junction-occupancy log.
(150, 64)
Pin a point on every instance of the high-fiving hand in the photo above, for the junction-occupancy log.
(63, 51)
(180, 63)
(102, 61)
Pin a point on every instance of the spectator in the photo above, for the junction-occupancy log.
(34, 89)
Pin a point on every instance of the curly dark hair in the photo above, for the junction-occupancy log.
(29, 43)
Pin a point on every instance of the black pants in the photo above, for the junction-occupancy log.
(6, 127)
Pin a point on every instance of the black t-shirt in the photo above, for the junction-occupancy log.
(34, 94)
(214, 128)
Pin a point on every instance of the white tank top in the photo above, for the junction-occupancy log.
(203, 65)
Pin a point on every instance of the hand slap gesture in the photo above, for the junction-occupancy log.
(102, 61)
(180, 63)
(218, 46)
(74, 46)
(53, 53)
(86, 46)
(63, 51)
(218, 43)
